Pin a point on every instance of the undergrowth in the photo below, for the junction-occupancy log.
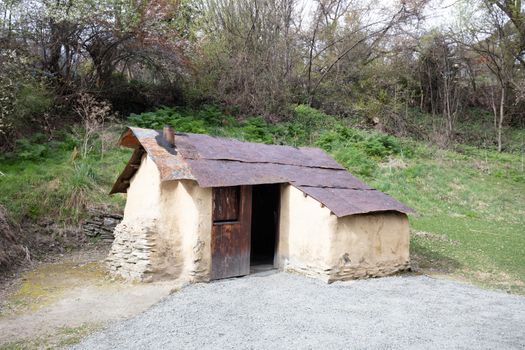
(51, 180)
(358, 150)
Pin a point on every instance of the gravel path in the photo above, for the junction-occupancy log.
(284, 311)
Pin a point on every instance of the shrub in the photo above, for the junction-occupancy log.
(212, 116)
(33, 99)
(94, 114)
(169, 116)
(256, 130)
(381, 146)
(23, 97)
(32, 148)
(78, 187)
(356, 160)
(309, 122)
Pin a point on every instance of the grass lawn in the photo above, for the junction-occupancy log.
(471, 214)
(58, 185)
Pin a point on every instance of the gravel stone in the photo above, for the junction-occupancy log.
(286, 311)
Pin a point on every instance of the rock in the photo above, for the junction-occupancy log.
(102, 225)
(131, 251)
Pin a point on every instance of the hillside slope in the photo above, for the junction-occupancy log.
(470, 202)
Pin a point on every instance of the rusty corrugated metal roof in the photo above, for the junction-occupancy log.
(200, 146)
(347, 201)
(217, 162)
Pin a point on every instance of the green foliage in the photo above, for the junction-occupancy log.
(256, 130)
(47, 179)
(78, 185)
(23, 97)
(212, 116)
(359, 151)
(182, 120)
(308, 122)
(310, 117)
(356, 160)
(33, 99)
(32, 148)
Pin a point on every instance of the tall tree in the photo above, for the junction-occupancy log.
(492, 36)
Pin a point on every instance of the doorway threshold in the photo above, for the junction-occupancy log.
(262, 268)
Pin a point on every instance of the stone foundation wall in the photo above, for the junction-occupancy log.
(132, 251)
(305, 269)
(101, 225)
(364, 270)
(345, 272)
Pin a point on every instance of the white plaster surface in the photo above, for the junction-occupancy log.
(316, 243)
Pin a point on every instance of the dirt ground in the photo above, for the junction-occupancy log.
(72, 300)
(55, 304)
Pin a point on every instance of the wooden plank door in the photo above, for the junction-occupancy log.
(231, 231)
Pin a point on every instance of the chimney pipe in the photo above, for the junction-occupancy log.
(169, 135)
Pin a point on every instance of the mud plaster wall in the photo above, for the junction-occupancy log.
(165, 233)
(184, 232)
(315, 242)
(304, 234)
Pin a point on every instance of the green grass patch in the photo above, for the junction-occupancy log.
(474, 204)
(50, 180)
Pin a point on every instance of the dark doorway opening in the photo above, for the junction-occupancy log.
(265, 224)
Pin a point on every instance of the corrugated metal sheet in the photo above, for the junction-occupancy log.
(218, 162)
(344, 201)
(171, 164)
(216, 173)
(199, 146)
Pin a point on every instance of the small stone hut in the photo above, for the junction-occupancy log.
(202, 208)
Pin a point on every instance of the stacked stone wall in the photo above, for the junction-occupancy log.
(132, 251)
(101, 225)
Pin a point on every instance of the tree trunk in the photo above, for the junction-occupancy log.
(494, 110)
(310, 62)
(54, 47)
(501, 117)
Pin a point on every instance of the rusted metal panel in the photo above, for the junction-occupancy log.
(199, 146)
(128, 139)
(220, 162)
(169, 161)
(343, 201)
(213, 173)
(216, 173)
(230, 240)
